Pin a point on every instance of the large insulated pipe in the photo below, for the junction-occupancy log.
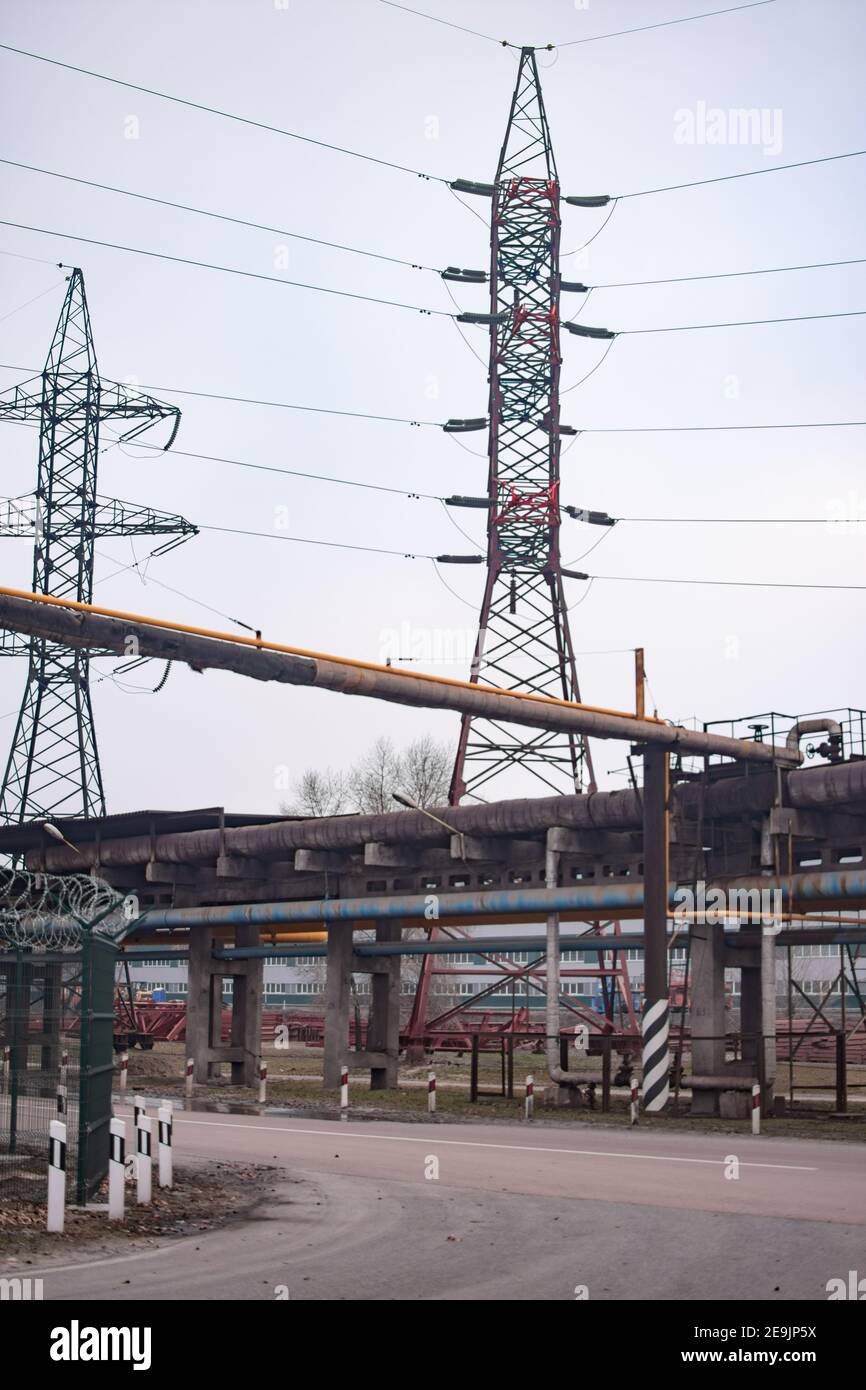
(816, 726)
(818, 787)
(841, 886)
(85, 625)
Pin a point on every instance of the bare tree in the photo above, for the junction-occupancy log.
(421, 772)
(318, 794)
(374, 777)
(425, 771)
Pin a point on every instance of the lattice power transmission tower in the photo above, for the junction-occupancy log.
(524, 642)
(53, 767)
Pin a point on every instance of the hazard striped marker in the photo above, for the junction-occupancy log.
(139, 1107)
(144, 1161)
(190, 1069)
(61, 1102)
(56, 1175)
(263, 1082)
(529, 1103)
(431, 1093)
(117, 1170)
(634, 1105)
(124, 1069)
(344, 1089)
(656, 1057)
(756, 1109)
(166, 1164)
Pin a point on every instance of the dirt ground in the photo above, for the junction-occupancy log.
(205, 1196)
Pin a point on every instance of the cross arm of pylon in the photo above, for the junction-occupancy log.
(19, 516)
(120, 402)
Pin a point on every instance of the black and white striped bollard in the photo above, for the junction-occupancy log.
(56, 1175)
(263, 1082)
(144, 1161)
(634, 1103)
(166, 1165)
(124, 1069)
(190, 1071)
(117, 1170)
(61, 1101)
(431, 1093)
(529, 1104)
(344, 1090)
(139, 1108)
(656, 1056)
(64, 1068)
(756, 1109)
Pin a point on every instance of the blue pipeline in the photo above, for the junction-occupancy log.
(601, 900)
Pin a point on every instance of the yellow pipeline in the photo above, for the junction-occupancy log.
(261, 645)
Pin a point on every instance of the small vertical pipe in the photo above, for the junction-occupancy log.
(639, 683)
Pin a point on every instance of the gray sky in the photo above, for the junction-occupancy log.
(357, 73)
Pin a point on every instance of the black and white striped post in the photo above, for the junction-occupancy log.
(144, 1160)
(61, 1101)
(64, 1067)
(756, 1109)
(263, 1082)
(139, 1108)
(56, 1176)
(431, 1093)
(529, 1103)
(344, 1090)
(655, 1025)
(117, 1170)
(165, 1127)
(124, 1069)
(190, 1075)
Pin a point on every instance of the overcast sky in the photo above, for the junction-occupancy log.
(364, 75)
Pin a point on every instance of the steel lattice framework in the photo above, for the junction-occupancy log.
(524, 641)
(53, 766)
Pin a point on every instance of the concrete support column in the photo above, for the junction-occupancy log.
(203, 1004)
(337, 991)
(383, 1027)
(246, 1029)
(707, 1010)
(758, 1018)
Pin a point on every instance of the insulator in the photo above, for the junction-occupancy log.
(601, 200)
(482, 318)
(583, 331)
(467, 501)
(459, 559)
(574, 574)
(592, 518)
(573, 287)
(465, 277)
(484, 190)
(464, 426)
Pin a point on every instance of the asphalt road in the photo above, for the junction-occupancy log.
(489, 1212)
